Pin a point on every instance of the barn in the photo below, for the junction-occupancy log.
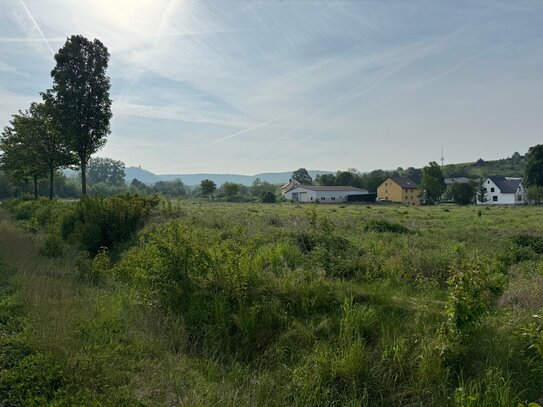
(323, 194)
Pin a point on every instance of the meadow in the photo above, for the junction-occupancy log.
(152, 302)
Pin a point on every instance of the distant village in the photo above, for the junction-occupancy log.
(493, 190)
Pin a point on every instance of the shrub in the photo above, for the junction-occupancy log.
(383, 226)
(474, 286)
(33, 381)
(533, 242)
(52, 246)
(268, 197)
(98, 223)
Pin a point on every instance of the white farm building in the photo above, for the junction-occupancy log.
(322, 194)
(503, 191)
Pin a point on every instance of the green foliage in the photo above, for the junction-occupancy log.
(433, 183)
(34, 380)
(462, 193)
(268, 197)
(473, 287)
(208, 187)
(534, 166)
(533, 242)
(97, 223)
(535, 194)
(174, 188)
(52, 246)
(80, 72)
(533, 334)
(107, 171)
(383, 226)
(325, 179)
(302, 176)
(274, 304)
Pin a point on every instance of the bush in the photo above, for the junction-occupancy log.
(268, 197)
(52, 246)
(382, 226)
(533, 242)
(474, 286)
(98, 223)
(33, 381)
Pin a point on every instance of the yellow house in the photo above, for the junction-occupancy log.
(397, 189)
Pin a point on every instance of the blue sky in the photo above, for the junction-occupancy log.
(254, 86)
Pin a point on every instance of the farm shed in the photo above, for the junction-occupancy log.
(323, 194)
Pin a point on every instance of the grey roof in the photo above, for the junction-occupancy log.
(404, 182)
(506, 186)
(325, 188)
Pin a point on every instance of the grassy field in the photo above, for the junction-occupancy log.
(246, 304)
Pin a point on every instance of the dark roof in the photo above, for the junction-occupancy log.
(404, 182)
(506, 186)
(323, 188)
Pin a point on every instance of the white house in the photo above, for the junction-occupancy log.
(322, 194)
(504, 191)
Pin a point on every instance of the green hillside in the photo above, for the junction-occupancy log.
(513, 166)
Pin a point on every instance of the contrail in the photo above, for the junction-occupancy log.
(245, 130)
(12, 40)
(37, 27)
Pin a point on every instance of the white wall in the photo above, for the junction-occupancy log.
(307, 195)
(503, 199)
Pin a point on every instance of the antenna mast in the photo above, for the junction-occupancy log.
(442, 156)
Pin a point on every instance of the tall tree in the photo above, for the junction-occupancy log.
(19, 156)
(208, 187)
(46, 139)
(534, 166)
(302, 176)
(433, 183)
(462, 193)
(344, 178)
(325, 180)
(106, 170)
(81, 90)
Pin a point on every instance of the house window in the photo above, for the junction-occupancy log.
(495, 198)
(491, 189)
(323, 198)
(333, 198)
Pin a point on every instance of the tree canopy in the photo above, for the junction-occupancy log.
(534, 166)
(462, 193)
(302, 176)
(208, 187)
(433, 183)
(106, 170)
(81, 95)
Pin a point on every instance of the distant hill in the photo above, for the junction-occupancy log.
(513, 166)
(142, 175)
(195, 179)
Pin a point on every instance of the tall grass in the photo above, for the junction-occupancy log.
(234, 304)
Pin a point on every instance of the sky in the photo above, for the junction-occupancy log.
(258, 86)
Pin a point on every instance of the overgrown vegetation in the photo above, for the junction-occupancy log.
(229, 304)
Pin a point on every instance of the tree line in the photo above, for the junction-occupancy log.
(431, 179)
(68, 125)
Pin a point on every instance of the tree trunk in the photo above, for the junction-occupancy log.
(35, 187)
(51, 174)
(83, 178)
